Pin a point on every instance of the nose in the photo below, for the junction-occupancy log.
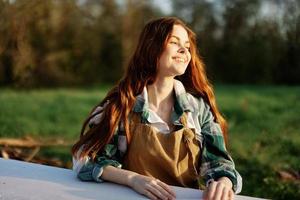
(182, 49)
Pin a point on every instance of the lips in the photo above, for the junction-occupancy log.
(179, 59)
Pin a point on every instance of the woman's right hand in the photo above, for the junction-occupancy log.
(151, 187)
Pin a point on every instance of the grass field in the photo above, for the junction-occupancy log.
(264, 129)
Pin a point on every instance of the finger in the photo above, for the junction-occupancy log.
(167, 188)
(150, 195)
(211, 190)
(164, 192)
(219, 191)
(225, 194)
(155, 191)
(231, 195)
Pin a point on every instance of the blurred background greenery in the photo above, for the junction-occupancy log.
(59, 58)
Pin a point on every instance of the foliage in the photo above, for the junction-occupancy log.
(247, 41)
(51, 43)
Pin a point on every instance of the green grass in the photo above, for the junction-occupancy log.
(264, 131)
(46, 113)
(264, 128)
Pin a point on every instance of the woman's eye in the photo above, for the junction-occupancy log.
(173, 42)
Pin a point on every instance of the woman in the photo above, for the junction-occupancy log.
(159, 125)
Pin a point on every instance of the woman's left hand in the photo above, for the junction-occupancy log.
(219, 190)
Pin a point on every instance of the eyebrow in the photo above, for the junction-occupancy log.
(179, 38)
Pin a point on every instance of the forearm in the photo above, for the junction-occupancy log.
(117, 175)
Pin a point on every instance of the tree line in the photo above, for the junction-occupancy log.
(45, 43)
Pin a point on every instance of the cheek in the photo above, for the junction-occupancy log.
(163, 59)
(189, 56)
(163, 62)
(166, 57)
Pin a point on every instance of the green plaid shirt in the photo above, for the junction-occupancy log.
(214, 163)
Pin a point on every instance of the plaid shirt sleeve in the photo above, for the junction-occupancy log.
(216, 161)
(91, 170)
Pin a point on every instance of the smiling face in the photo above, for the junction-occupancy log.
(176, 55)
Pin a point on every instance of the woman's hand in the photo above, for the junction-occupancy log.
(151, 187)
(219, 190)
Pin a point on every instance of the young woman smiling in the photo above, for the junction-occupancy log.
(160, 125)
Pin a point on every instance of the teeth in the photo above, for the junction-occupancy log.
(179, 60)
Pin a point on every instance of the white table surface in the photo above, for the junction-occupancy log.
(28, 181)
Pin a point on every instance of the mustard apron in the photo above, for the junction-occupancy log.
(171, 158)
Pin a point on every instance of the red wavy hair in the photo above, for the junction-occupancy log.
(141, 71)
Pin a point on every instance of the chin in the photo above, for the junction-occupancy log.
(176, 70)
(180, 72)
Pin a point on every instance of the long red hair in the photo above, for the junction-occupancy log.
(141, 71)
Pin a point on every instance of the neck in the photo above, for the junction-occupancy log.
(160, 93)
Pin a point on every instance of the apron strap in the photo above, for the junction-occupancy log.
(188, 140)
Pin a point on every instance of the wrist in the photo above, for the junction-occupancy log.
(130, 179)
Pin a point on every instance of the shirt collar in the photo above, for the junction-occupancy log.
(181, 102)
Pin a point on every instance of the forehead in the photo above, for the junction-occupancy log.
(180, 32)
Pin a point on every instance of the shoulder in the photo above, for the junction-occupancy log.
(197, 103)
(200, 108)
(96, 114)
